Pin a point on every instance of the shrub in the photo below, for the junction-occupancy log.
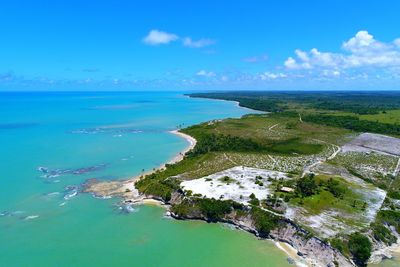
(390, 217)
(340, 245)
(306, 186)
(263, 221)
(360, 247)
(214, 210)
(382, 233)
(254, 202)
(394, 194)
(335, 188)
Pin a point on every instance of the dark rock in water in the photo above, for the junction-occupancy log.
(8, 126)
(5, 213)
(10, 213)
(290, 260)
(50, 174)
(43, 169)
(106, 131)
(87, 169)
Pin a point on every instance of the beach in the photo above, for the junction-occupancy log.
(126, 188)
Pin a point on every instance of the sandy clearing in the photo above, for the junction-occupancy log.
(239, 188)
(368, 142)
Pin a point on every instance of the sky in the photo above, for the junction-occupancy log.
(199, 45)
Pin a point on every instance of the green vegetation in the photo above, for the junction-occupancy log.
(227, 180)
(382, 233)
(264, 221)
(359, 111)
(253, 200)
(353, 102)
(211, 209)
(360, 247)
(214, 210)
(302, 130)
(354, 123)
(389, 217)
(340, 245)
(213, 142)
(322, 192)
(306, 186)
(390, 116)
(336, 188)
(209, 139)
(394, 194)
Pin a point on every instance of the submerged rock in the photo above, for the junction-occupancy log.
(53, 173)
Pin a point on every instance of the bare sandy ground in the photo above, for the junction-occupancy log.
(239, 187)
(368, 142)
(126, 188)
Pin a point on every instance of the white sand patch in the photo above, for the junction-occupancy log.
(238, 188)
(368, 142)
(374, 198)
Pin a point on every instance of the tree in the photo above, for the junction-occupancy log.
(360, 247)
(307, 186)
(335, 188)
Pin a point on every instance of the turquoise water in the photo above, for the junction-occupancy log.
(78, 136)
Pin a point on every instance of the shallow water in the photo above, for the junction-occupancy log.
(78, 136)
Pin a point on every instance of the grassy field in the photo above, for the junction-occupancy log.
(390, 116)
(349, 202)
(284, 133)
(283, 143)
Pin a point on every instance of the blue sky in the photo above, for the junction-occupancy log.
(199, 45)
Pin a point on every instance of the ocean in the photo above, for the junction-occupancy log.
(51, 143)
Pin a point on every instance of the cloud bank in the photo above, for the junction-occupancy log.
(360, 51)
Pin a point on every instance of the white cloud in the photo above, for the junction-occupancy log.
(361, 41)
(224, 78)
(156, 37)
(256, 59)
(331, 73)
(205, 73)
(290, 63)
(362, 50)
(187, 41)
(272, 76)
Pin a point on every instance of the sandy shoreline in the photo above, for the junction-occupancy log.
(178, 157)
(126, 188)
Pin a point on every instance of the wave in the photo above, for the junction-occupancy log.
(11, 213)
(126, 209)
(71, 191)
(30, 217)
(52, 194)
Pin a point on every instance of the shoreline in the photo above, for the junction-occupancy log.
(131, 196)
(175, 159)
(126, 188)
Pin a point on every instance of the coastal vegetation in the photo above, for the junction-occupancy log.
(305, 158)
(354, 123)
(360, 247)
(354, 102)
(359, 111)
